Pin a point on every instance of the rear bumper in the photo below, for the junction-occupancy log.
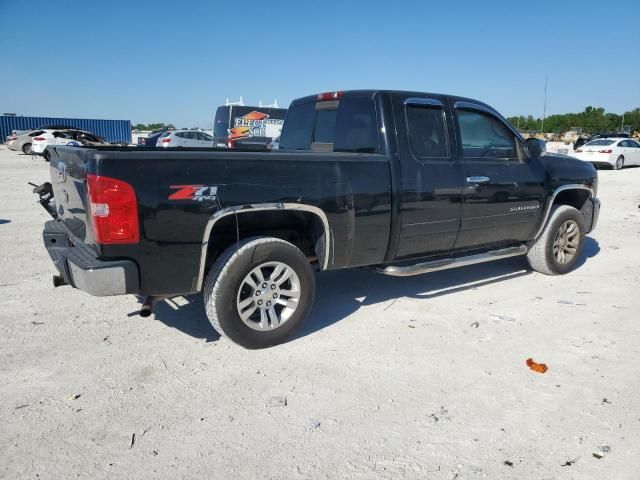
(37, 147)
(81, 268)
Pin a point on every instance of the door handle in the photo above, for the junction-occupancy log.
(479, 179)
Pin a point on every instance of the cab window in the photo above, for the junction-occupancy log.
(427, 131)
(484, 137)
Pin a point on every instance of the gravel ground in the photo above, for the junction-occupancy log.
(419, 377)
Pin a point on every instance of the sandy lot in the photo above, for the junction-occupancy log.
(421, 377)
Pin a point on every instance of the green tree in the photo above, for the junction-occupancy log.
(592, 119)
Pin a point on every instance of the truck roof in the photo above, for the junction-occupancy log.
(370, 93)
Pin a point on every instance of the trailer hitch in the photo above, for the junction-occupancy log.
(45, 194)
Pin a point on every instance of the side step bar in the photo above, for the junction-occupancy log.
(447, 263)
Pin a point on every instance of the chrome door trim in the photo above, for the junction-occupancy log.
(258, 207)
(432, 102)
(547, 212)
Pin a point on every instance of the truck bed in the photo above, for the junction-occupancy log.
(352, 189)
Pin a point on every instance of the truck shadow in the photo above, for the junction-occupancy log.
(342, 292)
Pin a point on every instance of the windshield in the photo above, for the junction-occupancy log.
(599, 143)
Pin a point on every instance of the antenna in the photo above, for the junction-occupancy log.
(544, 111)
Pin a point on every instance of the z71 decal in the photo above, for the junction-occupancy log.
(198, 193)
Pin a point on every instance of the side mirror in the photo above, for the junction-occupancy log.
(536, 147)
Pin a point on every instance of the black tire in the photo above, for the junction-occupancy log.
(541, 255)
(619, 163)
(26, 149)
(222, 290)
(46, 155)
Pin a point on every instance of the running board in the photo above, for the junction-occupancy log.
(447, 263)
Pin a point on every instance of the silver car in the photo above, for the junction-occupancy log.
(185, 138)
(22, 143)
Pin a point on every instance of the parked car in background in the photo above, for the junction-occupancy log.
(610, 152)
(152, 139)
(22, 143)
(582, 141)
(185, 138)
(72, 138)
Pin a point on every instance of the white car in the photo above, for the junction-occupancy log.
(51, 137)
(185, 138)
(610, 152)
(73, 138)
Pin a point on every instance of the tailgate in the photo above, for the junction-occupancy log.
(68, 173)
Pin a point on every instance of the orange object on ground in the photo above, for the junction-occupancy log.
(537, 367)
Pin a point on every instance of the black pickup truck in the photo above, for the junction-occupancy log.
(405, 182)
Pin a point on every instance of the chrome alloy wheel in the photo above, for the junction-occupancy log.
(565, 244)
(268, 296)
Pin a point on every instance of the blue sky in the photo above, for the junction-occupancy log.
(176, 61)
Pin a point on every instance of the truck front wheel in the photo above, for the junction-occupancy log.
(557, 250)
(259, 291)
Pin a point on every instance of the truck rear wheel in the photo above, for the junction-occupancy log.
(557, 250)
(259, 292)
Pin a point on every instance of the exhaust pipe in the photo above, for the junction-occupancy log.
(147, 305)
(59, 281)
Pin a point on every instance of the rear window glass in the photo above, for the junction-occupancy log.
(298, 127)
(352, 127)
(325, 129)
(427, 135)
(600, 142)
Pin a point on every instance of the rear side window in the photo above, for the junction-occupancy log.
(485, 137)
(350, 126)
(427, 131)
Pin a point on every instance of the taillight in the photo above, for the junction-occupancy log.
(605, 151)
(330, 96)
(113, 209)
(166, 140)
(231, 144)
(39, 139)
